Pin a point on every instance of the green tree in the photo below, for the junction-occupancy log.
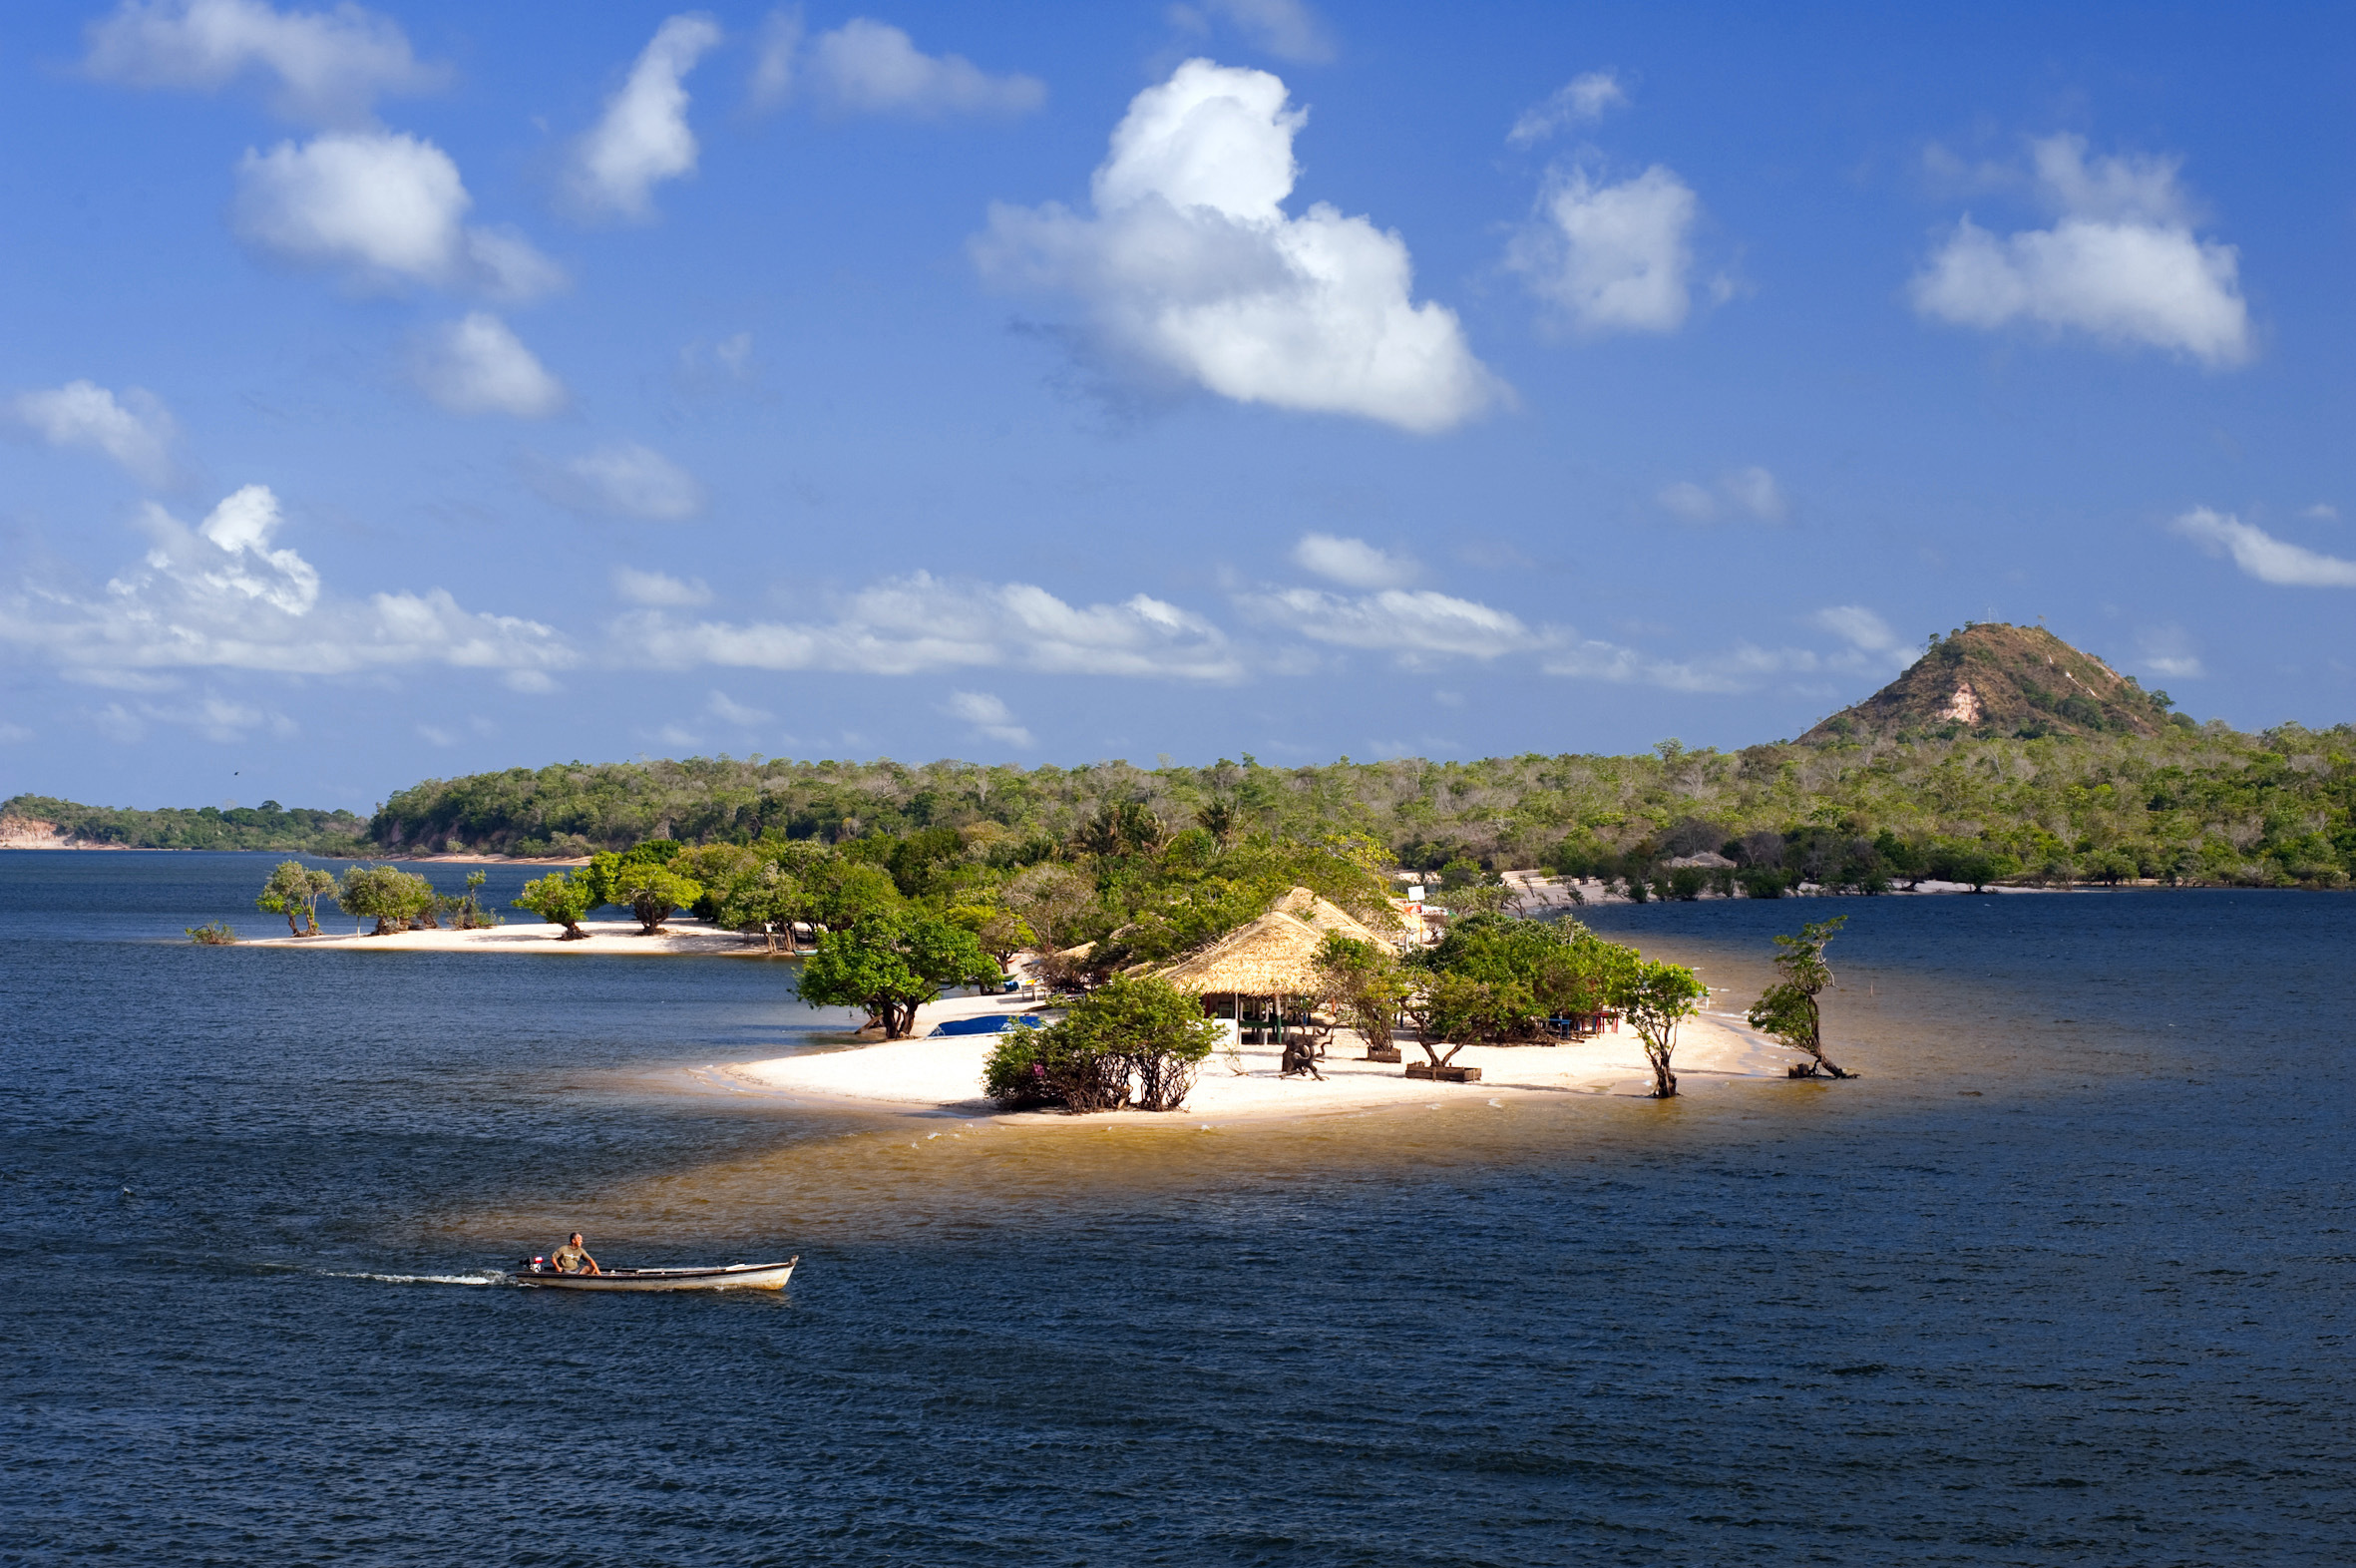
(1788, 1009)
(560, 901)
(394, 898)
(1133, 1030)
(769, 903)
(1655, 999)
(890, 964)
(294, 890)
(1001, 932)
(1456, 1009)
(213, 934)
(1364, 983)
(654, 893)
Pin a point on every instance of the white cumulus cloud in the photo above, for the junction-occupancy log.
(1612, 258)
(643, 138)
(477, 365)
(1352, 562)
(1580, 100)
(220, 596)
(659, 590)
(2120, 262)
(1190, 266)
(135, 429)
(387, 209)
(923, 622)
(869, 67)
(324, 67)
(989, 716)
(625, 480)
(2260, 554)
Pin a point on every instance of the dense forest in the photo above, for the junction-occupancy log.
(2203, 804)
(269, 826)
(2002, 754)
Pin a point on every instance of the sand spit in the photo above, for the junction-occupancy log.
(605, 937)
(943, 1076)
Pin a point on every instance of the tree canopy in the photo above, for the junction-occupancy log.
(890, 963)
(294, 890)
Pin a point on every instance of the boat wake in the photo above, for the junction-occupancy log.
(488, 1277)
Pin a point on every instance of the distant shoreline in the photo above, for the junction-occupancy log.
(15, 841)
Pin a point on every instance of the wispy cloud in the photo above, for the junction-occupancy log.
(2260, 554)
(1581, 101)
(643, 138)
(321, 67)
(478, 366)
(869, 67)
(624, 480)
(1287, 29)
(660, 591)
(1354, 563)
(1748, 492)
(223, 596)
(921, 622)
(135, 429)
(989, 717)
(1416, 627)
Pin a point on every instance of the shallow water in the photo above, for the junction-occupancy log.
(2063, 1278)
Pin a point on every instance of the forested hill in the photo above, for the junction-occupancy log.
(2057, 769)
(31, 820)
(1990, 679)
(2199, 803)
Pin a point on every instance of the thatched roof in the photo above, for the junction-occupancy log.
(1322, 915)
(1274, 956)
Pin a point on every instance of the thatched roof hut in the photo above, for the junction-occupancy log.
(1274, 956)
(1322, 915)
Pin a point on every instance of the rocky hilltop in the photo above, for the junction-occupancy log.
(1993, 679)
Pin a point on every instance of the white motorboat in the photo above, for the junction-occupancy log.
(729, 1277)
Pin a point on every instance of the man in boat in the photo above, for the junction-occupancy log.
(573, 1258)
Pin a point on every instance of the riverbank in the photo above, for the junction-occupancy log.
(609, 937)
(934, 1078)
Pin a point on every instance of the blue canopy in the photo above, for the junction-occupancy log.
(988, 1023)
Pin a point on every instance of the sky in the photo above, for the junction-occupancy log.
(401, 391)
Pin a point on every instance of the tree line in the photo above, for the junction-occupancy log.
(2202, 804)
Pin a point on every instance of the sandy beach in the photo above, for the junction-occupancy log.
(605, 937)
(943, 1076)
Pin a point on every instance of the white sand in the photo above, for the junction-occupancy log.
(936, 1075)
(679, 935)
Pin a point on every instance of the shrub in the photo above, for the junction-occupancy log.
(1133, 1029)
(212, 935)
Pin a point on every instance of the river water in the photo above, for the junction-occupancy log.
(2064, 1278)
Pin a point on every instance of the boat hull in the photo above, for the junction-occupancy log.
(734, 1277)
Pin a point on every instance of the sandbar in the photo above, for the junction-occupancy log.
(605, 937)
(942, 1076)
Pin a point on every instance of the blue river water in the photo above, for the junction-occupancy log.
(2064, 1278)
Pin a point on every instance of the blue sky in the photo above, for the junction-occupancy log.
(411, 390)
